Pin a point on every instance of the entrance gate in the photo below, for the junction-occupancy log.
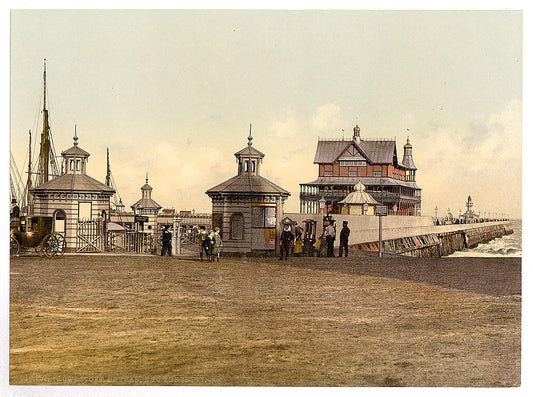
(90, 236)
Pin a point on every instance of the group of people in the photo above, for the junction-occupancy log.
(330, 234)
(323, 245)
(209, 244)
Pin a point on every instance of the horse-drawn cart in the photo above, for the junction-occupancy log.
(36, 232)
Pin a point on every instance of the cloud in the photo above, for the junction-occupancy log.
(482, 159)
(326, 118)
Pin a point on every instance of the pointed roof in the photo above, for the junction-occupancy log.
(75, 182)
(376, 151)
(359, 196)
(246, 183)
(328, 151)
(379, 152)
(353, 152)
(250, 150)
(146, 186)
(146, 202)
(75, 150)
(408, 161)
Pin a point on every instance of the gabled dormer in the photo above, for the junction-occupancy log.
(352, 156)
(75, 159)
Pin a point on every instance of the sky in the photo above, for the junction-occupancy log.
(172, 93)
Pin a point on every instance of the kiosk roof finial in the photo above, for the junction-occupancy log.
(250, 137)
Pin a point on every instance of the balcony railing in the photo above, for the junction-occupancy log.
(379, 196)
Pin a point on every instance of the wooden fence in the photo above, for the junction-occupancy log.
(92, 236)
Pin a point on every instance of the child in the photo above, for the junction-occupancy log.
(298, 248)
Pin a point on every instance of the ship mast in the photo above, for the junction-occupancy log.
(110, 181)
(44, 155)
(28, 183)
(108, 172)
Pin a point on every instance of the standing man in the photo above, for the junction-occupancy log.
(286, 240)
(166, 238)
(343, 237)
(330, 238)
(202, 236)
(210, 246)
(14, 214)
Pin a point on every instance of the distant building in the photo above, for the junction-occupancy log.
(147, 207)
(72, 197)
(469, 216)
(248, 208)
(373, 162)
(189, 220)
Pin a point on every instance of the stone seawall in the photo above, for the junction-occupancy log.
(443, 243)
(411, 235)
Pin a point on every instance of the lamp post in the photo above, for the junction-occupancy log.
(381, 211)
(436, 212)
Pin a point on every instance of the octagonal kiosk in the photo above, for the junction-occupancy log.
(248, 208)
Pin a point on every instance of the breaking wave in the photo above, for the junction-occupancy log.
(506, 246)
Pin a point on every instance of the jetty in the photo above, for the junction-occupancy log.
(415, 236)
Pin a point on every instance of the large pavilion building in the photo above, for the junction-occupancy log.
(374, 163)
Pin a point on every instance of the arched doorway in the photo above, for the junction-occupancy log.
(60, 219)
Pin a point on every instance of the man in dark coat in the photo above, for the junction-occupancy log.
(201, 238)
(14, 214)
(166, 237)
(210, 246)
(343, 237)
(286, 240)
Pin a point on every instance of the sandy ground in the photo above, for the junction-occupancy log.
(361, 321)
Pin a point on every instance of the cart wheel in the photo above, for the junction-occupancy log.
(53, 246)
(14, 247)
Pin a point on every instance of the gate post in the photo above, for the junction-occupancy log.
(176, 238)
(279, 225)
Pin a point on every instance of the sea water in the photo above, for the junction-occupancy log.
(506, 246)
